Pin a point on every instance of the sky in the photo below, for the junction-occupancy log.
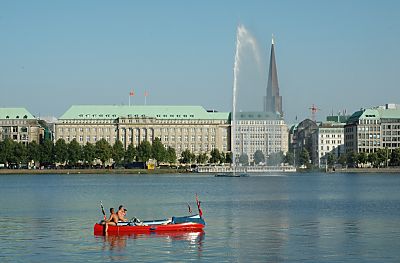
(339, 55)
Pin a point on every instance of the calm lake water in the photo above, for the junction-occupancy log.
(299, 217)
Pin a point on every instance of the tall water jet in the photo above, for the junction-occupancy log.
(243, 39)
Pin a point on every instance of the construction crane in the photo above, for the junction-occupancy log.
(314, 110)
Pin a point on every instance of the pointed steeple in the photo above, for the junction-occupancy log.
(273, 102)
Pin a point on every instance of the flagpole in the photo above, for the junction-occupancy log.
(131, 93)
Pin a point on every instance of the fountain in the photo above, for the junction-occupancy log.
(243, 39)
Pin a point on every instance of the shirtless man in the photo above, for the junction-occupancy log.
(112, 221)
(122, 213)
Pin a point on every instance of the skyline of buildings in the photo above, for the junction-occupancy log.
(199, 130)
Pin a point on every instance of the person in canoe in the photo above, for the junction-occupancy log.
(113, 220)
(122, 213)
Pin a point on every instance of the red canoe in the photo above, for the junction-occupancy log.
(187, 223)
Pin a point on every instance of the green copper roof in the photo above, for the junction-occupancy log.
(389, 113)
(15, 113)
(338, 118)
(257, 115)
(375, 114)
(152, 111)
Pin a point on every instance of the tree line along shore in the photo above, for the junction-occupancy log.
(68, 157)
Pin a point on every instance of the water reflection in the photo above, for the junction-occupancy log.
(119, 242)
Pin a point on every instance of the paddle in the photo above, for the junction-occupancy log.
(198, 206)
(105, 218)
(102, 210)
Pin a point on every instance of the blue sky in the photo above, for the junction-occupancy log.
(335, 54)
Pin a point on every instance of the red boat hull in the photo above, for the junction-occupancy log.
(123, 230)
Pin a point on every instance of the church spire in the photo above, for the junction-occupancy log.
(273, 102)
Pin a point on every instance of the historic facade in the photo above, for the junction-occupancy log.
(181, 127)
(327, 139)
(370, 129)
(263, 131)
(19, 125)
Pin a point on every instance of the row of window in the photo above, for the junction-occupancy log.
(277, 142)
(14, 129)
(327, 148)
(368, 135)
(258, 129)
(22, 137)
(369, 143)
(13, 122)
(391, 139)
(102, 130)
(331, 141)
(391, 133)
(364, 121)
(108, 129)
(331, 136)
(276, 122)
(391, 127)
(185, 138)
(375, 128)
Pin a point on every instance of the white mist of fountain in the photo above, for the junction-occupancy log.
(243, 40)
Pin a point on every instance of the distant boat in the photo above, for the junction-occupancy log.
(231, 175)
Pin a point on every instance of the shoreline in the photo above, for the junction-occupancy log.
(90, 171)
(175, 171)
(367, 170)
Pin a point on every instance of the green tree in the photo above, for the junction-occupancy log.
(331, 159)
(34, 151)
(89, 153)
(373, 159)
(228, 157)
(6, 150)
(144, 151)
(47, 152)
(382, 156)
(201, 158)
(351, 158)
(74, 152)
(259, 157)
(342, 160)
(130, 154)
(171, 155)
(103, 151)
(304, 158)
(362, 158)
(289, 158)
(60, 151)
(118, 152)
(222, 158)
(275, 159)
(20, 153)
(187, 156)
(395, 157)
(215, 156)
(244, 159)
(158, 151)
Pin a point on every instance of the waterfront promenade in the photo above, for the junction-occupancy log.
(394, 170)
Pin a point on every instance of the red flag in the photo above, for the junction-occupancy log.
(131, 93)
(146, 94)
